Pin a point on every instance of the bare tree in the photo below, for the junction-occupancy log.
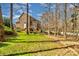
(49, 6)
(11, 16)
(1, 26)
(47, 18)
(74, 20)
(65, 16)
(56, 18)
(27, 20)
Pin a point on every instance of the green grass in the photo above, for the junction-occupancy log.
(22, 37)
(27, 45)
(7, 28)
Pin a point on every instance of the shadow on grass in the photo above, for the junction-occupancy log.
(38, 51)
(30, 41)
(36, 41)
(3, 44)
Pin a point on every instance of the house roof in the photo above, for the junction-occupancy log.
(28, 15)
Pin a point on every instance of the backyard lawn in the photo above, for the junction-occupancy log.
(31, 44)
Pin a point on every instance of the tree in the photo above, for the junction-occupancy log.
(56, 18)
(11, 16)
(1, 27)
(65, 18)
(47, 18)
(27, 19)
(74, 21)
(49, 6)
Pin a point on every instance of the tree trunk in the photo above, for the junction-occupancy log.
(11, 16)
(76, 23)
(65, 27)
(49, 18)
(56, 23)
(27, 20)
(1, 27)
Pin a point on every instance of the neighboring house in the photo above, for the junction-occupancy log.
(47, 20)
(33, 24)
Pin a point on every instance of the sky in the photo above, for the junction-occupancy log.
(35, 10)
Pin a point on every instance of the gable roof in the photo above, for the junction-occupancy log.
(29, 16)
(21, 15)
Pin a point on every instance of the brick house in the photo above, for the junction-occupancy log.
(33, 24)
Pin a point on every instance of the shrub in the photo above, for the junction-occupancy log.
(6, 21)
(7, 28)
(18, 29)
(8, 31)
